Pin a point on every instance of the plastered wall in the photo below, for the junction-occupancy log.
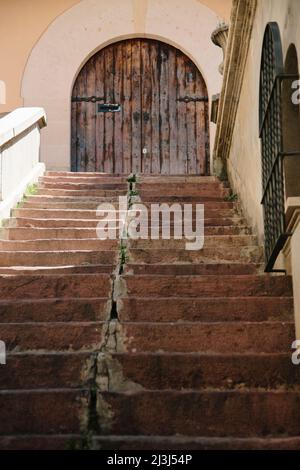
(82, 30)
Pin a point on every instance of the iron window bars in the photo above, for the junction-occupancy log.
(272, 77)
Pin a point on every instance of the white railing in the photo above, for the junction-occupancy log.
(19, 155)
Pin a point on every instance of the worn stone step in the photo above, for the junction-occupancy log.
(209, 413)
(172, 185)
(205, 286)
(163, 371)
(95, 200)
(175, 179)
(74, 214)
(37, 270)
(169, 371)
(41, 442)
(63, 309)
(209, 212)
(217, 224)
(82, 193)
(193, 269)
(29, 371)
(225, 337)
(232, 241)
(222, 337)
(57, 258)
(196, 190)
(89, 204)
(179, 195)
(71, 336)
(91, 214)
(76, 185)
(38, 233)
(85, 178)
(55, 213)
(205, 309)
(54, 286)
(50, 223)
(149, 199)
(136, 443)
(172, 443)
(218, 254)
(83, 205)
(43, 411)
(85, 174)
(56, 191)
(56, 244)
(61, 242)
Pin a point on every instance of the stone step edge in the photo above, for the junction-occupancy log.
(150, 323)
(226, 355)
(132, 393)
(134, 299)
(240, 443)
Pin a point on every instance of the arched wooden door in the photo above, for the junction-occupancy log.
(140, 106)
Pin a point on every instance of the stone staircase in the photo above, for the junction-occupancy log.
(139, 344)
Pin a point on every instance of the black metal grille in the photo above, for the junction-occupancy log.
(271, 134)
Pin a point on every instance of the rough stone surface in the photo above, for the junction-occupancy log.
(148, 347)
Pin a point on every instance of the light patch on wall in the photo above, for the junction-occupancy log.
(221, 7)
(140, 8)
(2, 92)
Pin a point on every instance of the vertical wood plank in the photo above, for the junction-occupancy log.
(109, 117)
(81, 122)
(118, 117)
(200, 127)
(146, 106)
(74, 129)
(127, 107)
(164, 109)
(155, 100)
(181, 113)
(207, 140)
(173, 112)
(100, 127)
(191, 117)
(136, 106)
(90, 143)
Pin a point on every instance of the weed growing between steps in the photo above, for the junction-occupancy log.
(123, 256)
(133, 193)
(131, 179)
(31, 190)
(231, 198)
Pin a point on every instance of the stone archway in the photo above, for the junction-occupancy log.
(88, 27)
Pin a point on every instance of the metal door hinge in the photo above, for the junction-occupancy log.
(86, 99)
(188, 99)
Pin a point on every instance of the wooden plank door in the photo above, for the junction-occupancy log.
(161, 124)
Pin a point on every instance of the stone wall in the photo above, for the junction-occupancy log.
(244, 161)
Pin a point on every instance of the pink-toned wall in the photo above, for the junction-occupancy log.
(22, 23)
